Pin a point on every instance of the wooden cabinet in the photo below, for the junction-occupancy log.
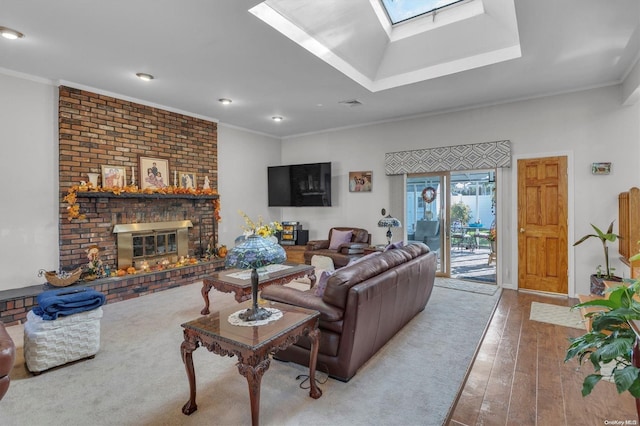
(295, 254)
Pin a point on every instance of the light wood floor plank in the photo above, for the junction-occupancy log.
(520, 377)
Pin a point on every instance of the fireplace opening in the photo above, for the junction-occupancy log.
(148, 246)
(151, 243)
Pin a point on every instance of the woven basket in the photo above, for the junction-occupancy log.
(61, 281)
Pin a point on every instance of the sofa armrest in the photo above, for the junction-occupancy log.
(352, 248)
(303, 299)
(317, 244)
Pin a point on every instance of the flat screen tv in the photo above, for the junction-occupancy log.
(300, 185)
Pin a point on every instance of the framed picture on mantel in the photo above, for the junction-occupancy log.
(154, 173)
(113, 176)
(187, 180)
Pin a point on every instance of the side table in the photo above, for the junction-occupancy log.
(251, 344)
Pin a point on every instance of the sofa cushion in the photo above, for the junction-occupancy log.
(338, 238)
(344, 278)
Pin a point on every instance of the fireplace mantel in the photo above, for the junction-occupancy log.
(98, 194)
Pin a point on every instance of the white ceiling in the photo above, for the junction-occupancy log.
(203, 50)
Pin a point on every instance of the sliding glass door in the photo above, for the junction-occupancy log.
(454, 213)
(426, 213)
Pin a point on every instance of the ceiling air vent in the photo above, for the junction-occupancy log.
(351, 102)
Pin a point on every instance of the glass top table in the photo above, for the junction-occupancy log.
(251, 344)
(238, 281)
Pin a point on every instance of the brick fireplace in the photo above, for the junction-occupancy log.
(97, 130)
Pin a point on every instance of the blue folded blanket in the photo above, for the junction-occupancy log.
(65, 301)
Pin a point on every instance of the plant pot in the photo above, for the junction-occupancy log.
(597, 283)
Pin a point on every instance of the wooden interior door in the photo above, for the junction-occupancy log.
(542, 224)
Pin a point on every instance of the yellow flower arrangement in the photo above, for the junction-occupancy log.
(259, 228)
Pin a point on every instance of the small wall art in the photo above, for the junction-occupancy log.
(360, 181)
(187, 180)
(600, 168)
(113, 176)
(154, 173)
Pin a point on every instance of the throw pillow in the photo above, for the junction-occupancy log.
(322, 262)
(338, 238)
(321, 284)
(394, 245)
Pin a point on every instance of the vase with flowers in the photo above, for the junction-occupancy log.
(258, 250)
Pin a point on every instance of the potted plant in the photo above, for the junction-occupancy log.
(598, 279)
(611, 340)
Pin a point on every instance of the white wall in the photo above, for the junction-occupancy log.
(589, 126)
(29, 176)
(243, 158)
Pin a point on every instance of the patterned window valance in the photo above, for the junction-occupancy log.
(486, 155)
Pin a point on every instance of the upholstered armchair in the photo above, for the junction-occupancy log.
(343, 244)
(7, 359)
(428, 232)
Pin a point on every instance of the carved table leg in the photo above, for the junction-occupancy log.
(186, 349)
(206, 288)
(312, 278)
(254, 379)
(315, 392)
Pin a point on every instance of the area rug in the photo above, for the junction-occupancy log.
(470, 286)
(137, 377)
(555, 314)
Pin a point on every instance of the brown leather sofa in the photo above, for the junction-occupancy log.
(364, 305)
(360, 238)
(7, 359)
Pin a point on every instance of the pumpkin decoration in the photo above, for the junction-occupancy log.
(222, 251)
(131, 270)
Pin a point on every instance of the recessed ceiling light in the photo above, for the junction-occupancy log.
(225, 101)
(144, 76)
(10, 34)
(277, 118)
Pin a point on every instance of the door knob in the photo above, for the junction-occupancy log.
(521, 230)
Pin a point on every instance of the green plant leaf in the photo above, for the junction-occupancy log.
(589, 382)
(635, 388)
(619, 347)
(625, 377)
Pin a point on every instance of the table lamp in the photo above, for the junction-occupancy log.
(389, 222)
(254, 253)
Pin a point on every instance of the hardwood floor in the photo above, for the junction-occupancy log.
(519, 376)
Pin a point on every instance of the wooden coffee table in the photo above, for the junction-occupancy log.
(233, 281)
(251, 344)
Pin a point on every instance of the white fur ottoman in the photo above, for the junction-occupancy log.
(48, 344)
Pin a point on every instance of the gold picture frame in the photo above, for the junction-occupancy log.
(113, 176)
(187, 180)
(154, 173)
(360, 181)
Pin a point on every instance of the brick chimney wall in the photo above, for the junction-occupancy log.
(96, 130)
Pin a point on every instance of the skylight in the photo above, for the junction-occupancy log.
(403, 10)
